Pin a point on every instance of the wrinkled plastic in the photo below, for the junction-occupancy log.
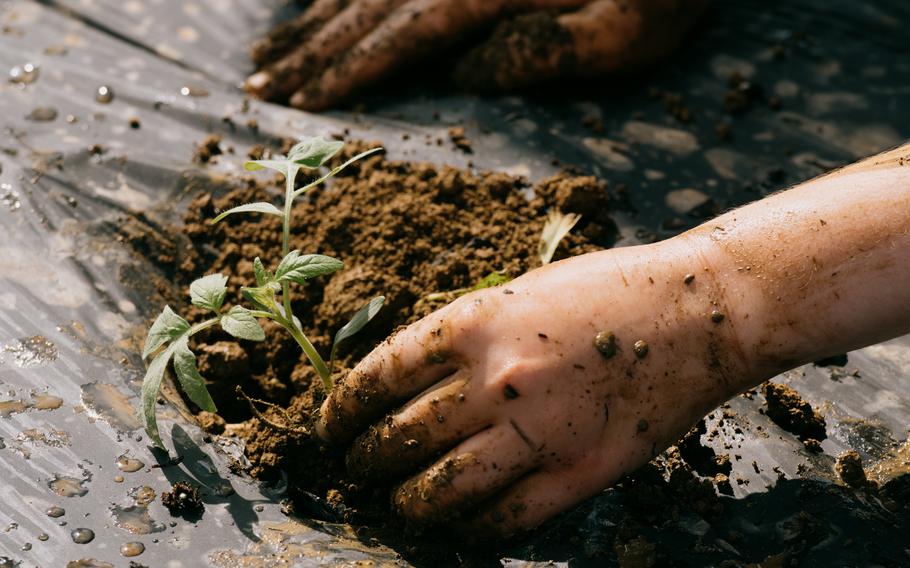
(72, 164)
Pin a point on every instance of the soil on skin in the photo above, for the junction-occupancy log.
(409, 230)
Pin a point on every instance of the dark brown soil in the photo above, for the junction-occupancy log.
(789, 411)
(849, 467)
(183, 500)
(404, 230)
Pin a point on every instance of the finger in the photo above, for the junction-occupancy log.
(288, 34)
(401, 367)
(532, 500)
(429, 425)
(416, 29)
(603, 36)
(279, 80)
(476, 469)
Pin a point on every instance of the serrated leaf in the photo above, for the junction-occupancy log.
(151, 384)
(263, 297)
(557, 226)
(280, 166)
(313, 152)
(209, 291)
(240, 323)
(260, 207)
(299, 268)
(360, 319)
(167, 326)
(262, 276)
(188, 375)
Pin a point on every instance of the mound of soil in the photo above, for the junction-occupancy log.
(404, 230)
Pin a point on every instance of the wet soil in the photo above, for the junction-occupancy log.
(789, 411)
(410, 231)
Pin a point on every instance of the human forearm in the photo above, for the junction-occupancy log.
(820, 269)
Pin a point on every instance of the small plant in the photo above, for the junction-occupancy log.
(169, 335)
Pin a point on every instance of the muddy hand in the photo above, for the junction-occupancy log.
(339, 46)
(516, 402)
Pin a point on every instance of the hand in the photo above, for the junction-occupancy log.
(509, 410)
(337, 47)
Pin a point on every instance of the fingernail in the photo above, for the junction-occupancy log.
(257, 82)
(298, 100)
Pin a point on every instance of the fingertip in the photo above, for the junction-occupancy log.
(258, 82)
(310, 98)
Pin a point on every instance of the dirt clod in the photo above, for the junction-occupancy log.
(849, 467)
(207, 149)
(789, 411)
(183, 500)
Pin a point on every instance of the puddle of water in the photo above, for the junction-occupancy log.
(86, 563)
(46, 402)
(32, 351)
(10, 407)
(66, 486)
(134, 518)
(105, 401)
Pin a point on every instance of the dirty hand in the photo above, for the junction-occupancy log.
(541, 392)
(339, 46)
(514, 403)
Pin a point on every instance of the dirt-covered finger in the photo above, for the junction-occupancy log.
(314, 53)
(414, 31)
(479, 467)
(432, 423)
(603, 36)
(530, 501)
(400, 368)
(286, 35)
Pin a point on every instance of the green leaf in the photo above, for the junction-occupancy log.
(300, 268)
(167, 326)
(360, 319)
(249, 208)
(263, 297)
(280, 166)
(191, 381)
(262, 275)
(209, 291)
(335, 171)
(313, 152)
(240, 323)
(491, 280)
(151, 384)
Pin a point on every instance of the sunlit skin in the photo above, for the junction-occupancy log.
(337, 48)
(500, 410)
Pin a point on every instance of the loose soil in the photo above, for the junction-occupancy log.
(409, 231)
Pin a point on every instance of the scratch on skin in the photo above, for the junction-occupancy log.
(522, 435)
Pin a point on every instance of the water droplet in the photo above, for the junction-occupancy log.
(27, 546)
(105, 401)
(55, 512)
(118, 479)
(42, 114)
(130, 549)
(142, 495)
(104, 94)
(24, 74)
(83, 536)
(87, 563)
(46, 402)
(128, 464)
(9, 198)
(43, 537)
(193, 91)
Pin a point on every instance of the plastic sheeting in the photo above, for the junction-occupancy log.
(72, 164)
